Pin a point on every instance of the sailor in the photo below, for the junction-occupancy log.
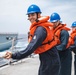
(61, 32)
(72, 43)
(41, 41)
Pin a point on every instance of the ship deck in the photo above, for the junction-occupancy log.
(27, 66)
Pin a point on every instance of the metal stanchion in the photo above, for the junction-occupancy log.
(12, 48)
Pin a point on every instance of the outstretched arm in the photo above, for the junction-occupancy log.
(38, 38)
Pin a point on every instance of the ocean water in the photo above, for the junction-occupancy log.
(21, 45)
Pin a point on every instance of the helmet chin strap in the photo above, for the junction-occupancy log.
(59, 23)
(37, 18)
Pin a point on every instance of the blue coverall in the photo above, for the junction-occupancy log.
(49, 60)
(73, 48)
(65, 54)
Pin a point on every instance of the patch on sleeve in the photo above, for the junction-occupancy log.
(34, 37)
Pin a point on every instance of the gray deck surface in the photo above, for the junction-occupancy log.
(28, 66)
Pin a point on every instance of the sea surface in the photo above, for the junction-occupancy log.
(21, 45)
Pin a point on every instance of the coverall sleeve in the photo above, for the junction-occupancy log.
(64, 36)
(38, 38)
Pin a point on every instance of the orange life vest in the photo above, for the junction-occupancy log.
(71, 39)
(49, 42)
(58, 30)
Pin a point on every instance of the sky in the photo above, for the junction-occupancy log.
(13, 16)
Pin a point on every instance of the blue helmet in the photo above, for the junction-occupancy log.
(54, 17)
(33, 9)
(74, 24)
